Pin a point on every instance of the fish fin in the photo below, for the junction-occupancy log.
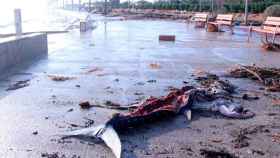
(112, 140)
(188, 114)
(91, 131)
(105, 132)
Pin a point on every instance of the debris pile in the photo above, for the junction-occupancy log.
(269, 77)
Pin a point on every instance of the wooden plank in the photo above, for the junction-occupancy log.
(271, 18)
(203, 19)
(260, 30)
(271, 28)
(224, 22)
(167, 37)
(200, 20)
(228, 17)
(275, 23)
(200, 15)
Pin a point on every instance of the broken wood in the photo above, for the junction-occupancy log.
(167, 38)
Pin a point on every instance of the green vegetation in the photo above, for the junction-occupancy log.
(273, 10)
(255, 6)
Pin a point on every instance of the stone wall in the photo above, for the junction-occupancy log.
(14, 51)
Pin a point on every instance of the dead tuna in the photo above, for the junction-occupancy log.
(181, 101)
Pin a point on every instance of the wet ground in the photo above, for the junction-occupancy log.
(113, 63)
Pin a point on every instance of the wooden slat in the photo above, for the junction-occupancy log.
(274, 23)
(200, 15)
(200, 20)
(271, 18)
(224, 22)
(228, 17)
(271, 28)
(260, 30)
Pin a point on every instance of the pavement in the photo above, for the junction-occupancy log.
(112, 63)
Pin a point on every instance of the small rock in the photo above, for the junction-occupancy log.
(70, 110)
(78, 86)
(85, 105)
(35, 133)
(152, 81)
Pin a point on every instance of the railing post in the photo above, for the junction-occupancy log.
(18, 22)
(246, 12)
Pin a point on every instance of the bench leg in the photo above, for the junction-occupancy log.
(249, 34)
(231, 29)
(273, 39)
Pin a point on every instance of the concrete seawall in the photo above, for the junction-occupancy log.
(14, 51)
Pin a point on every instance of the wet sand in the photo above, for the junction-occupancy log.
(122, 52)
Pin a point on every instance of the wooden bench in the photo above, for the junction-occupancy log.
(200, 19)
(223, 20)
(269, 27)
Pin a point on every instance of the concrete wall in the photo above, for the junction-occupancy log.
(14, 51)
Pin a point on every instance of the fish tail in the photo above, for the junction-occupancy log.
(105, 132)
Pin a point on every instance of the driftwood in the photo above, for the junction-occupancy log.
(269, 77)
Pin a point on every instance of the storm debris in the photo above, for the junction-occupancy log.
(140, 83)
(70, 110)
(112, 104)
(57, 155)
(221, 153)
(95, 69)
(18, 85)
(152, 81)
(269, 77)
(107, 105)
(35, 132)
(276, 138)
(242, 136)
(155, 66)
(138, 93)
(241, 139)
(60, 78)
(276, 102)
(248, 96)
(171, 88)
(50, 155)
(270, 46)
(89, 122)
(258, 152)
(216, 140)
(167, 38)
(85, 105)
